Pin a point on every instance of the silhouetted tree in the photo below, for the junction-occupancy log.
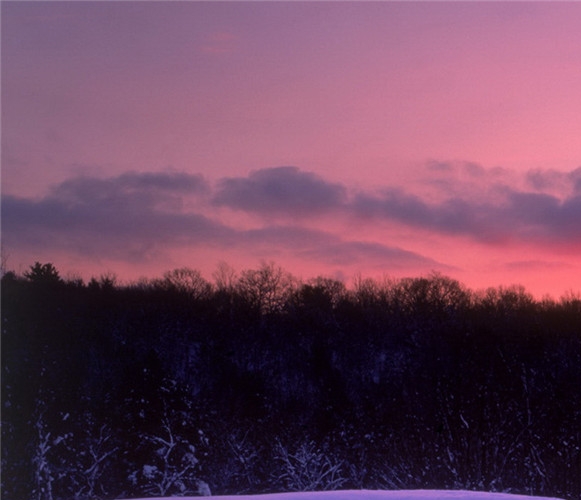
(260, 383)
(187, 281)
(45, 274)
(266, 289)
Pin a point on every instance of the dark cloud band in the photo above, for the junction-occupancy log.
(131, 214)
(280, 190)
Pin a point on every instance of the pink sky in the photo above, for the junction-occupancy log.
(332, 138)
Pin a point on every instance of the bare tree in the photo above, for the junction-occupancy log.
(172, 465)
(3, 261)
(189, 281)
(244, 461)
(47, 454)
(43, 472)
(94, 454)
(308, 468)
(224, 277)
(266, 288)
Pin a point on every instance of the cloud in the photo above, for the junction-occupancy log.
(132, 231)
(319, 245)
(538, 218)
(280, 191)
(542, 180)
(220, 42)
(536, 265)
(453, 216)
(127, 218)
(147, 186)
(576, 179)
(143, 216)
(492, 211)
(371, 254)
(555, 181)
(456, 168)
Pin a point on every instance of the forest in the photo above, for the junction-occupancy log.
(259, 382)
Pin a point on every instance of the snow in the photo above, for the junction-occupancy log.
(377, 495)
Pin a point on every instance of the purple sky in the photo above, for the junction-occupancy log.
(332, 138)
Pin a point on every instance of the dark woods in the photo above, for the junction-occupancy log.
(260, 383)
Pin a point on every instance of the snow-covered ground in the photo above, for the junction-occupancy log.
(379, 495)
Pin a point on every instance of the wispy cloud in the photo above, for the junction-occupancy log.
(219, 42)
(536, 265)
(323, 246)
(555, 181)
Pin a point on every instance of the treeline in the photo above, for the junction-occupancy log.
(257, 382)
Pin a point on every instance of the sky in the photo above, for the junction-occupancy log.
(332, 138)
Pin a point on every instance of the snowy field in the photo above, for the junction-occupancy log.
(379, 495)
